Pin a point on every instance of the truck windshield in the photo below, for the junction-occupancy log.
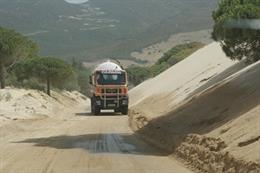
(111, 79)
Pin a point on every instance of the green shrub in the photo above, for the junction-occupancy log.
(33, 83)
(138, 74)
(170, 58)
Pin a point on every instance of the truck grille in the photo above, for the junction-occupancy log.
(111, 91)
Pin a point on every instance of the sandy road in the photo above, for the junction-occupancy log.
(79, 143)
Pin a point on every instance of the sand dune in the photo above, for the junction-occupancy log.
(32, 104)
(205, 110)
(179, 82)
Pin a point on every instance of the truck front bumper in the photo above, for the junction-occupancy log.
(111, 102)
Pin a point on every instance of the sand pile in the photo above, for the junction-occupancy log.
(204, 110)
(30, 104)
(208, 154)
(199, 71)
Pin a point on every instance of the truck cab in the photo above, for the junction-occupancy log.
(109, 88)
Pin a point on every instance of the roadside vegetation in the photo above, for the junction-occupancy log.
(21, 66)
(237, 28)
(13, 47)
(138, 74)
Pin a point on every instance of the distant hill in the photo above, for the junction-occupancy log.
(97, 28)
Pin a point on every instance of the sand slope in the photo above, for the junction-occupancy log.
(180, 81)
(205, 110)
(31, 104)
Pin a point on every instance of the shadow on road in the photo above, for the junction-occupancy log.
(98, 143)
(101, 114)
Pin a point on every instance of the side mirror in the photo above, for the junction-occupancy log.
(90, 80)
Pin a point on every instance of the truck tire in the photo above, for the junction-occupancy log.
(124, 110)
(92, 105)
(94, 109)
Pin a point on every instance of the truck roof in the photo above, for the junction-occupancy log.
(109, 66)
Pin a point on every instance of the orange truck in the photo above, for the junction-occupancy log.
(109, 88)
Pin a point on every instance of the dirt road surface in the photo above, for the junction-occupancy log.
(79, 143)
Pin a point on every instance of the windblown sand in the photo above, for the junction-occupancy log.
(205, 110)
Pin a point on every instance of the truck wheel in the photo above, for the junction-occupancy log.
(124, 110)
(92, 106)
(94, 109)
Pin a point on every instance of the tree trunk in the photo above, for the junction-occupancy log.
(2, 75)
(48, 86)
